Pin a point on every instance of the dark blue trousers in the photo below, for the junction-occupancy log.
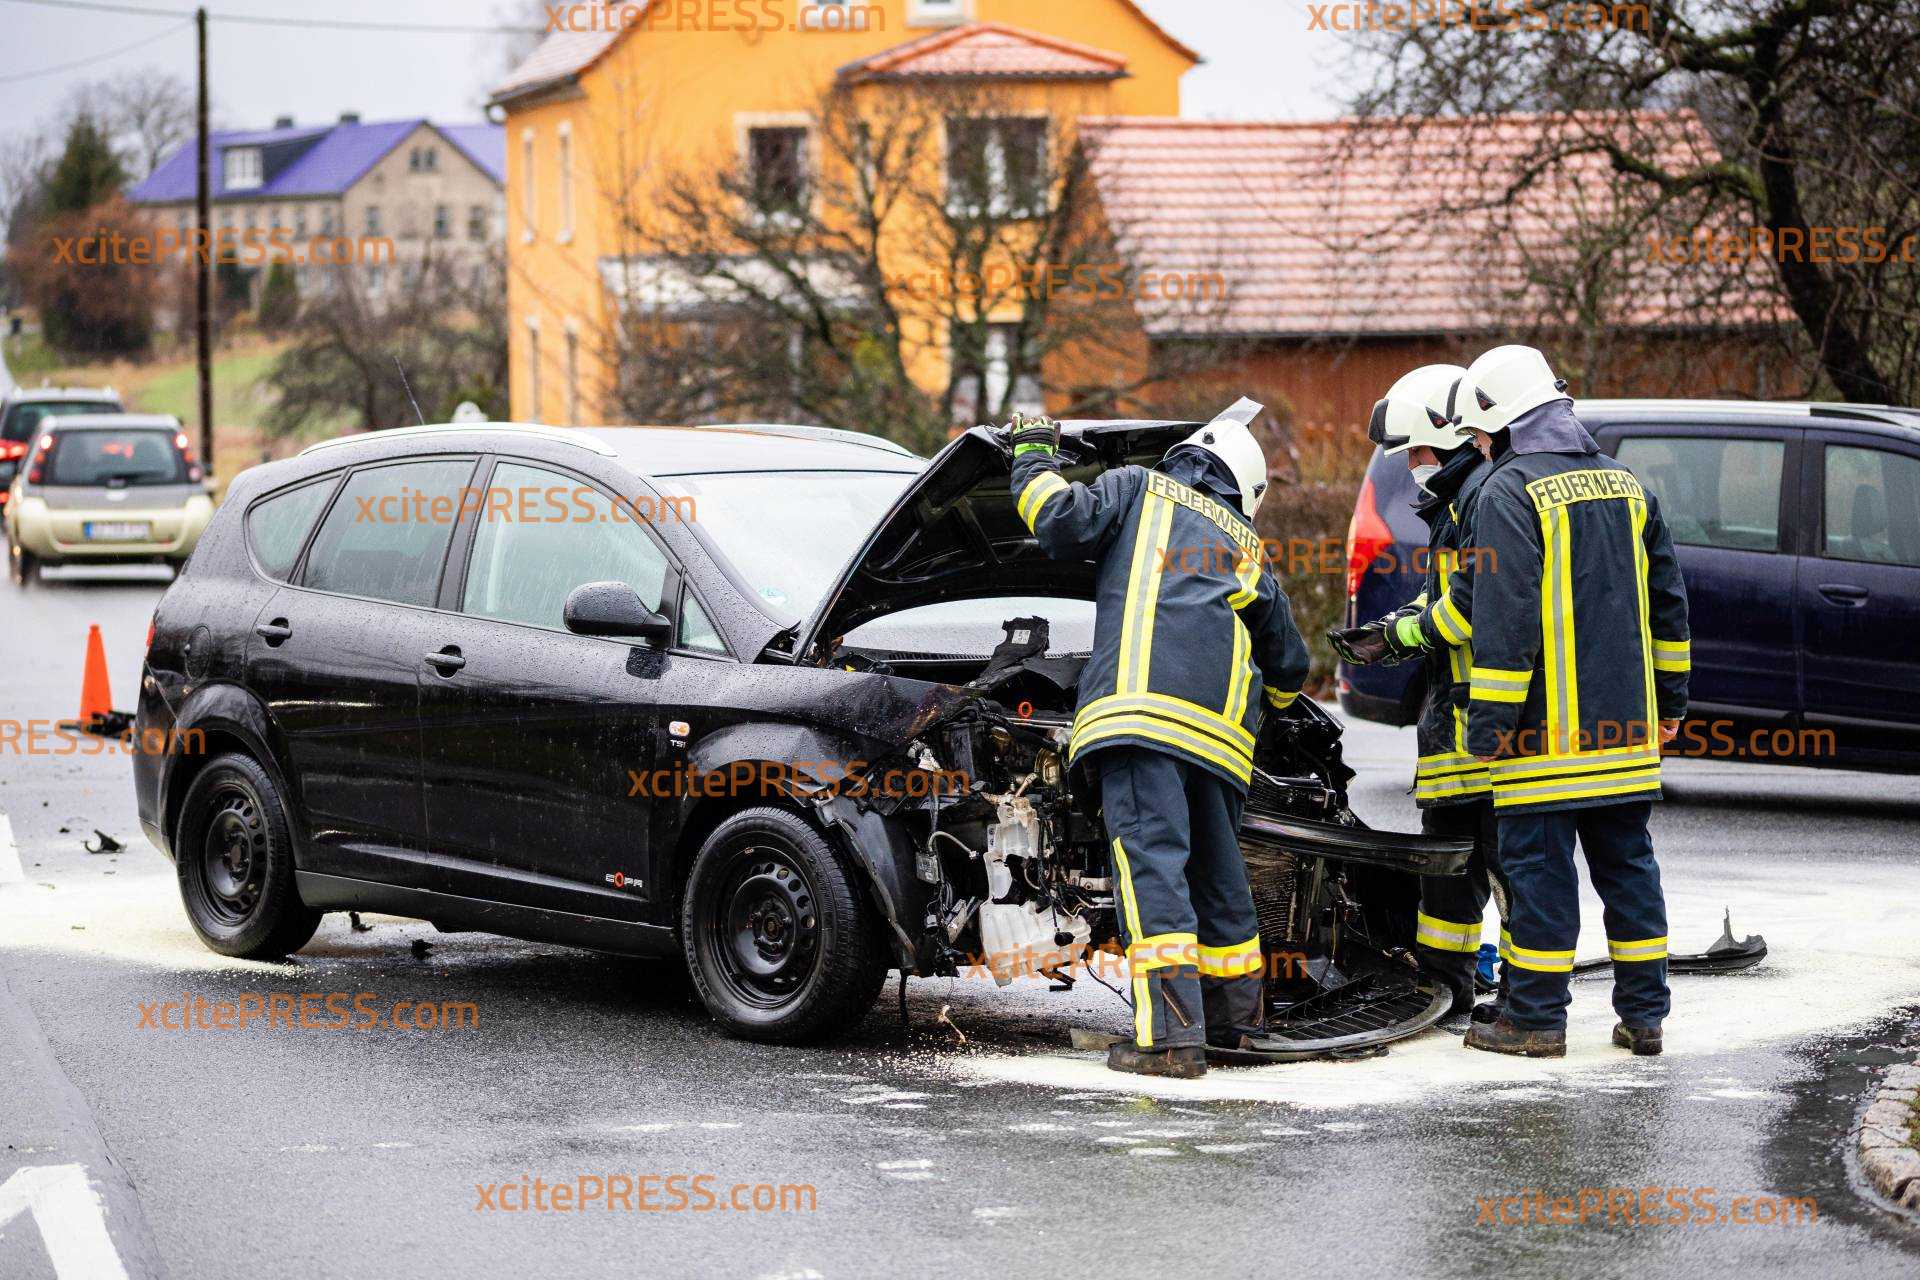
(1543, 918)
(1447, 930)
(1193, 940)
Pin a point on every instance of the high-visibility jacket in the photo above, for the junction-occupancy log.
(1577, 615)
(1191, 631)
(1446, 772)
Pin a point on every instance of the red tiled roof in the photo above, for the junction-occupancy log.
(988, 50)
(561, 55)
(1314, 228)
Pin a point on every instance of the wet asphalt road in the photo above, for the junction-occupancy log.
(356, 1154)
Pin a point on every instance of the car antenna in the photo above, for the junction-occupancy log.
(409, 391)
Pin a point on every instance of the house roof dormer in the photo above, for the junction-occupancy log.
(987, 51)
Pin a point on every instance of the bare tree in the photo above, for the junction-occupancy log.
(1813, 116)
(145, 114)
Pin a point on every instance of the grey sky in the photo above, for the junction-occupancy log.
(1262, 62)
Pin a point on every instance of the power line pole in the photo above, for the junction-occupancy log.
(204, 271)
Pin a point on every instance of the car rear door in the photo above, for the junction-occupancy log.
(528, 732)
(1859, 593)
(1726, 492)
(334, 656)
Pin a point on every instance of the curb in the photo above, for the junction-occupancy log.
(1888, 1159)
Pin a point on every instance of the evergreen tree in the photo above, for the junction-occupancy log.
(88, 171)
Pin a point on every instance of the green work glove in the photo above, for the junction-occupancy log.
(1029, 434)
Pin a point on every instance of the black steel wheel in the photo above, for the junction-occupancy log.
(781, 940)
(233, 852)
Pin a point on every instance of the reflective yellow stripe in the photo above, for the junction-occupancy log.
(1155, 730)
(1164, 951)
(1236, 961)
(1649, 655)
(1681, 649)
(1450, 623)
(1445, 935)
(1142, 999)
(1592, 789)
(1247, 570)
(1277, 700)
(1533, 958)
(1644, 949)
(1035, 495)
(1143, 592)
(1471, 784)
(1191, 714)
(1240, 673)
(1495, 684)
(1555, 764)
(1559, 668)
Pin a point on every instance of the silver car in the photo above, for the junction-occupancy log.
(106, 489)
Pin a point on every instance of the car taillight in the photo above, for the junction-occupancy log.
(12, 450)
(185, 449)
(1367, 536)
(38, 466)
(152, 624)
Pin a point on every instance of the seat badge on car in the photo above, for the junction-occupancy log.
(679, 728)
(621, 880)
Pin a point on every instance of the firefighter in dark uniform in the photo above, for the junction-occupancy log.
(1578, 618)
(1192, 636)
(1420, 420)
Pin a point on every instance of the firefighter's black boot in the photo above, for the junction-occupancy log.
(1501, 1036)
(1181, 1062)
(1644, 1041)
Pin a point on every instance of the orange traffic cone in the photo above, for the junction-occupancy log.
(96, 696)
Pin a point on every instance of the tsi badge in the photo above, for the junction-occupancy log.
(621, 880)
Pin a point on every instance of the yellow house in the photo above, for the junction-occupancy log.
(620, 92)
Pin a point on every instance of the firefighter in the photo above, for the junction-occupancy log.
(1420, 420)
(1578, 620)
(1191, 636)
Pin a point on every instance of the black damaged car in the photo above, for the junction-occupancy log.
(788, 702)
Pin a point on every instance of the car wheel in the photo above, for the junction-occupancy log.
(23, 564)
(234, 855)
(782, 943)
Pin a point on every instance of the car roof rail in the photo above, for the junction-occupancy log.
(562, 435)
(1891, 413)
(803, 431)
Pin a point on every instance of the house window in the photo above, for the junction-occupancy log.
(329, 220)
(423, 159)
(934, 13)
(566, 182)
(573, 379)
(376, 280)
(442, 222)
(526, 182)
(476, 222)
(300, 222)
(778, 169)
(980, 390)
(373, 219)
(533, 371)
(996, 166)
(241, 169)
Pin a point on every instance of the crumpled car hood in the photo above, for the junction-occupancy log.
(954, 533)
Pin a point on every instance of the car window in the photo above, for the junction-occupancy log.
(974, 627)
(388, 532)
(554, 533)
(143, 456)
(1713, 491)
(1872, 507)
(277, 527)
(696, 631)
(23, 418)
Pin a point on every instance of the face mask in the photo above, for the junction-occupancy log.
(1422, 474)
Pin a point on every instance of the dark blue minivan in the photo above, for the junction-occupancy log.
(1798, 530)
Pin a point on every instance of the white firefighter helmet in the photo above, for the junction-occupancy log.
(1230, 439)
(1419, 410)
(1505, 383)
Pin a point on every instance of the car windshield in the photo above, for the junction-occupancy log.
(972, 628)
(140, 456)
(24, 418)
(789, 533)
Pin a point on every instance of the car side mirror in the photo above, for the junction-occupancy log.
(612, 609)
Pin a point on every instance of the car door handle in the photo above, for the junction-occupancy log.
(1844, 593)
(273, 632)
(447, 661)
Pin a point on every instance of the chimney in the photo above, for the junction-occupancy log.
(283, 122)
(349, 117)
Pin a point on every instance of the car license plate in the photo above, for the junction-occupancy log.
(117, 531)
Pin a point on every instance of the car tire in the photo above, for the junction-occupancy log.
(782, 942)
(23, 564)
(233, 853)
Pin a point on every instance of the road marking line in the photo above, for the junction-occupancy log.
(71, 1216)
(10, 870)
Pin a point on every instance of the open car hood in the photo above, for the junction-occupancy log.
(954, 533)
